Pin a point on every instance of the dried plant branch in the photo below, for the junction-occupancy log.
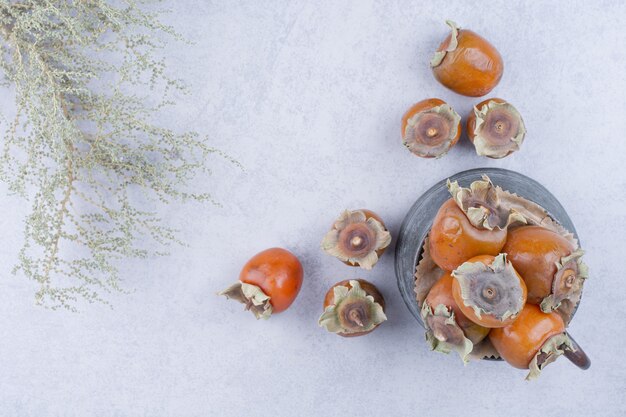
(83, 145)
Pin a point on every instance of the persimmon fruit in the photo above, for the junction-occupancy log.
(430, 128)
(357, 238)
(489, 291)
(495, 128)
(550, 264)
(467, 63)
(535, 340)
(353, 308)
(453, 239)
(268, 283)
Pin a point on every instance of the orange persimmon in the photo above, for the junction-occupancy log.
(550, 264)
(453, 239)
(268, 283)
(467, 63)
(430, 128)
(518, 342)
(353, 308)
(489, 291)
(495, 128)
(441, 293)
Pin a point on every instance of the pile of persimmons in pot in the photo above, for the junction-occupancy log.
(497, 276)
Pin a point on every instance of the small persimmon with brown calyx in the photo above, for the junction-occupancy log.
(535, 340)
(430, 128)
(447, 327)
(357, 238)
(551, 265)
(495, 128)
(268, 283)
(353, 308)
(489, 291)
(467, 63)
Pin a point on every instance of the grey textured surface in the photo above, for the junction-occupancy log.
(308, 97)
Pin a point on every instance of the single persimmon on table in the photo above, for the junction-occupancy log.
(357, 238)
(467, 63)
(353, 308)
(268, 283)
(495, 128)
(430, 128)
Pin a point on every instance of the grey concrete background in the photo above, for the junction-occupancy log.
(308, 96)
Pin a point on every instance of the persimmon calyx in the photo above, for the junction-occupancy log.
(506, 208)
(443, 334)
(353, 311)
(484, 350)
(427, 273)
(452, 45)
(548, 353)
(355, 239)
(568, 281)
(482, 206)
(491, 289)
(431, 133)
(499, 129)
(252, 297)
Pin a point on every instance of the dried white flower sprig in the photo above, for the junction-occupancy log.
(83, 146)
